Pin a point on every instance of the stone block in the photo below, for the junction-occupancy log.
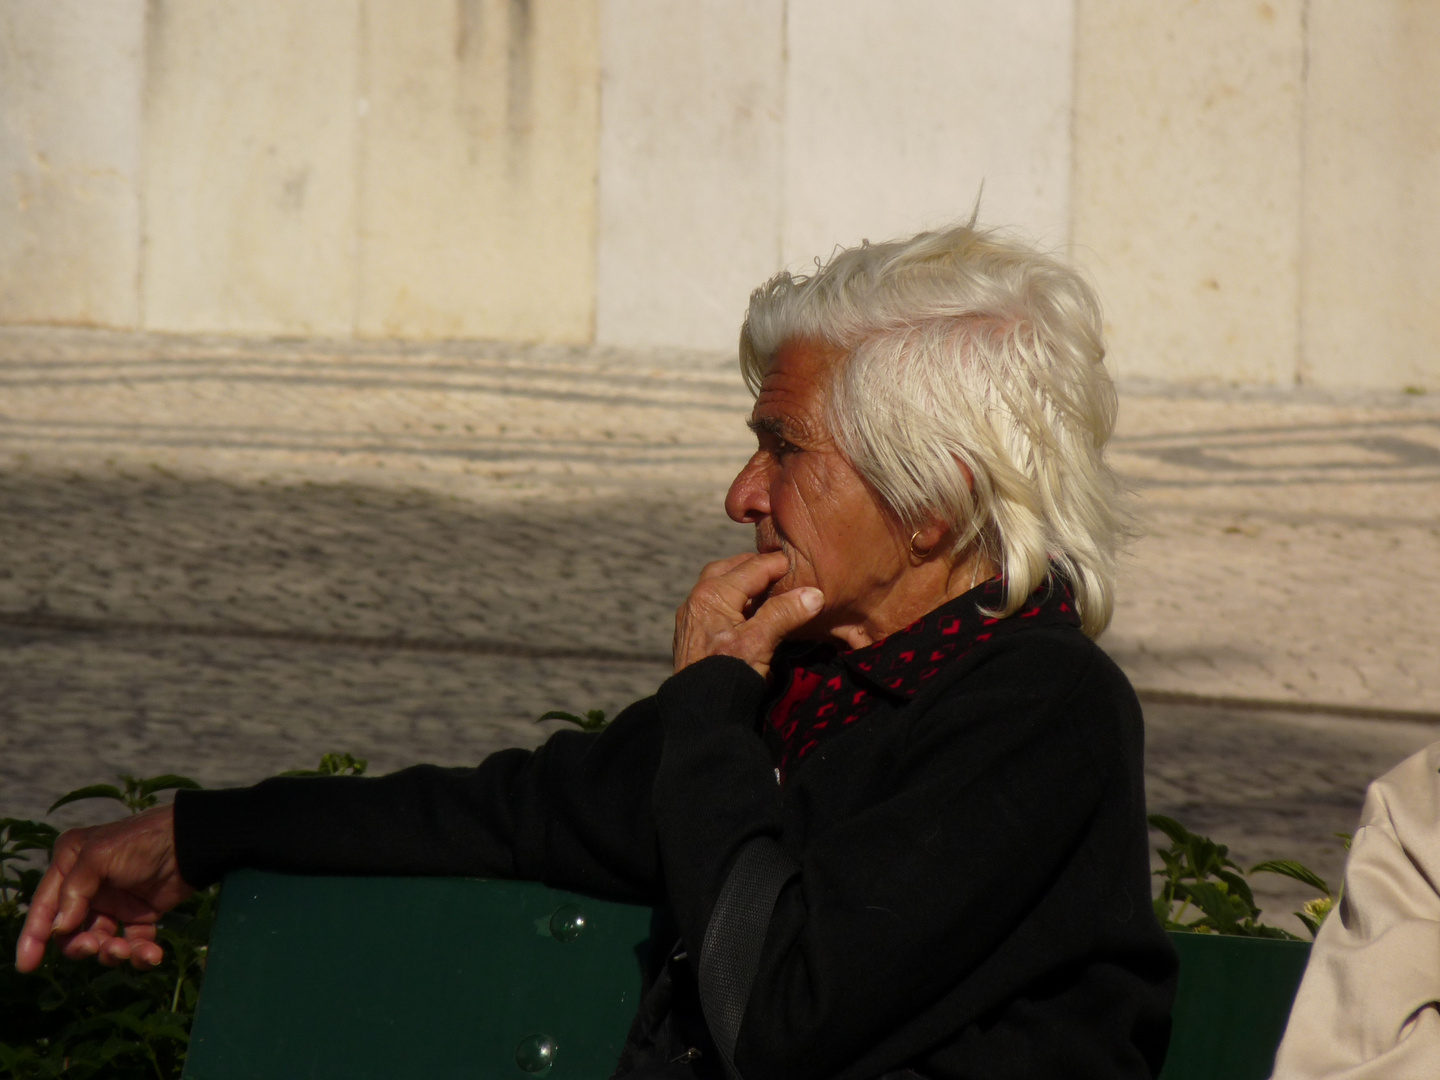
(70, 83)
(1187, 178)
(897, 112)
(1371, 212)
(250, 155)
(478, 169)
(690, 167)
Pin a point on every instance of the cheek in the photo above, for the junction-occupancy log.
(793, 517)
(802, 495)
(818, 514)
(855, 540)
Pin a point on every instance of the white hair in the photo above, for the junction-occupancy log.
(972, 391)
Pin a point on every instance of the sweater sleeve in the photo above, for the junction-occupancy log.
(899, 903)
(1369, 1004)
(575, 814)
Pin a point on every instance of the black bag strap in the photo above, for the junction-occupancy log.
(730, 956)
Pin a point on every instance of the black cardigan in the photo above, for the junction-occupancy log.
(973, 898)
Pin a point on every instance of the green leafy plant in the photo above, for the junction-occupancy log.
(1312, 913)
(1199, 878)
(78, 1019)
(136, 795)
(593, 720)
(334, 765)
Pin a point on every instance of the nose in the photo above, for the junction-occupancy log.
(748, 499)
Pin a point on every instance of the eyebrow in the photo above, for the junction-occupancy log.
(772, 425)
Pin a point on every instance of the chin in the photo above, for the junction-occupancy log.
(787, 583)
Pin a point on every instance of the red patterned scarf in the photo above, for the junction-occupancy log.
(825, 689)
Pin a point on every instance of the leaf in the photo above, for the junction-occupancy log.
(51, 998)
(1292, 869)
(1345, 838)
(593, 720)
(167, 782)
(1162, 912)
(1313, 913)
(94, 791)
(1174, 866)
(343, 765)
(334, 765)
(22, 835)
(1208, 856)
(1240, 888)
(27, 882)
(1177, 833)
(1219, 906)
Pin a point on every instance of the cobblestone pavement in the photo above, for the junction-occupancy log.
(226, 558)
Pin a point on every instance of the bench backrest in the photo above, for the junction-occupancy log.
(313, 978)
(310, 978)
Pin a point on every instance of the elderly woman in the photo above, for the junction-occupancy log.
(890, 805)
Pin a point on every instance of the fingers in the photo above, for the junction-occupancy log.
(125, 871)
(30, 949)
(784, 613)
(747, 562)
(721, 566)
(100, 939)
(138, 946)
(89, 941)
(717, 616)
(748, 580)
(76, 891)
(40, 920)
(144, 954)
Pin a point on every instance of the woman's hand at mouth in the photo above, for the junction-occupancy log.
(713, 620)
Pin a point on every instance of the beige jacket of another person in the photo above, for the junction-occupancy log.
(1369, 1005)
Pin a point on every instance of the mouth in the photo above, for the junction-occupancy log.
(766, 541)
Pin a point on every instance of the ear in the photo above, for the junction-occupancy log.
(927, 539)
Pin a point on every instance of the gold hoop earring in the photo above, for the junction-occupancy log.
(919, 556)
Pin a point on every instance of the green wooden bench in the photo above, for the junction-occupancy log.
(313, 978)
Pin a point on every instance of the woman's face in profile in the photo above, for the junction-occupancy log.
(806, 500)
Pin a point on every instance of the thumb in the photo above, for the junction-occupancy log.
(786, 612)
(79, 888)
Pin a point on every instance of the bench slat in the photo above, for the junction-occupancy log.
(318, 977)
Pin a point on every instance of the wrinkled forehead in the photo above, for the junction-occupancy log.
(795, 388)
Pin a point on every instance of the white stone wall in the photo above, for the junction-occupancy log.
(70, 122)
(250, 141)
(1256, 188)
(1370, 262)
(740, 136)
(897, 113)
(1251, 184)
(691, 194)
(477, 180)
(1187, 184)
(409, 168)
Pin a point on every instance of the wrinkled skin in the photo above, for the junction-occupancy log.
(124, 872)
(831, 562)
(809, 504)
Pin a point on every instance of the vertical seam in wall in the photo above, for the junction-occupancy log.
(1301, 238)
(784, 163)
(142, 159)
(1074, 122)
(599, 30)
(362, 86)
